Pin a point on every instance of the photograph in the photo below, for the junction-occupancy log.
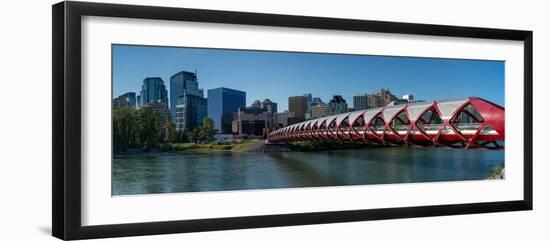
(189, 119)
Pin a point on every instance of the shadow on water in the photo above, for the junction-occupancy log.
(305, 173)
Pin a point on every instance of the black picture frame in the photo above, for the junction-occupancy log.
(66, 158)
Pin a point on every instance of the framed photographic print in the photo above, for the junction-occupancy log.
(170, 120)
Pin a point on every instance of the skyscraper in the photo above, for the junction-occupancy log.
(222, 103)
(127, 99)
(190, 111)
(181, 83)
(298, 105)
(309, 101)
(153, 90)
(360, 101)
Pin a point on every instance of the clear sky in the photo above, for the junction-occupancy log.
(278, 75)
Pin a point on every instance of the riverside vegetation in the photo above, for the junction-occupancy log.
(143, 129)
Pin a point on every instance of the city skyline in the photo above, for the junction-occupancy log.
(277, 70)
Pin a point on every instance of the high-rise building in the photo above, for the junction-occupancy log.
(298, 105)
(126, 100)
(153, 90)
(182, 83)
(360, 101)
(222, 103)
(269, 106)
(201, 93)
(309, 101)
(320, 110)
(190, 111)
(337, 105)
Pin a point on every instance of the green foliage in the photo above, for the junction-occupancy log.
(203, 133)
(170, 134)
(125, 128)
(206, 130)
(137, 129)
(497, 173)
(150, 129)
(143, 129)
(214, 146)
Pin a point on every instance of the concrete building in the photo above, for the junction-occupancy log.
(298, 105)
(360, 101)
(284, 119)
(320, 110)
(316, 100)
(252, 121)
(337, 105)
(222, 104)
(269, 106)
(386, 96)
(161, 108)
(374, 101)
(256, 104)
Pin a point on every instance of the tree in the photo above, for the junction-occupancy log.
(170, 134)
(150, 128)
(206, 130)
(193, 136)
(125, 123)
(181, 136)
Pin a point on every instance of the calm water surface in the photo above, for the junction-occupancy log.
(196, 172)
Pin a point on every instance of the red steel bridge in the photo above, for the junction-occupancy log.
(462, 123)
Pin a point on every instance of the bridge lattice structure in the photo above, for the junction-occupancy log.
(469, 122)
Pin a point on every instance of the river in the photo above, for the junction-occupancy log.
(197, 172)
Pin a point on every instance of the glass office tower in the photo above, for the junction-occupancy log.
(182, 83)
(190, 112)
(153, 90)
(222, 103)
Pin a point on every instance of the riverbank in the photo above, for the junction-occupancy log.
(171, 148)
(217, 146)
(498, 173)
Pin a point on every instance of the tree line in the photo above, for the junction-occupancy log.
(143, 128)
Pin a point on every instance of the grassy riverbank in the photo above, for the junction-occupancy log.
(498, 173)
(214, 147)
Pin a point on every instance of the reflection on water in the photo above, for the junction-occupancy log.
(196, 172)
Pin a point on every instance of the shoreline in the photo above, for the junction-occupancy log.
(254, 146)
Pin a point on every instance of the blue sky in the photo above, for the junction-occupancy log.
(277, 75)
